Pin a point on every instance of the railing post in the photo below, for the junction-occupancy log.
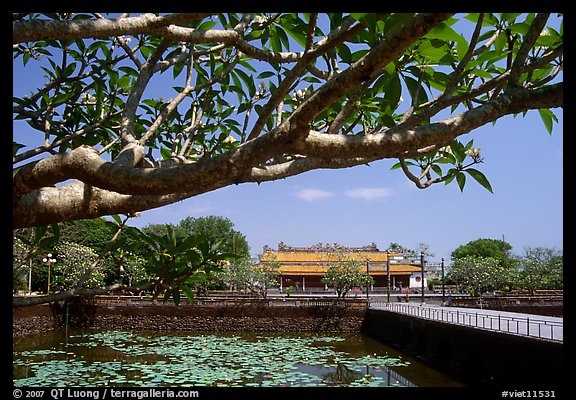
(539, 330)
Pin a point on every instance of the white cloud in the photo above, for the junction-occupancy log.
(313, 194)
(369, 193)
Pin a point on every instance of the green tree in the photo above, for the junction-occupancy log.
(172, 264)
(118, 265)
(481, 273)
(130, 267)
(141, 111)
(497, 249)
(162, 229)
(20, 264)
(541, 268)
(244, 276)
(270, 274)
(179, 264)
(93, 233)
(30, 245)
(215, 229)
(344, 273)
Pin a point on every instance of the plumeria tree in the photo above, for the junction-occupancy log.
(29, 247)
(138, 111)
(345, 272)
(244, 276)
(542, 268)
(480, 274)
(167, 265)
(76, 265)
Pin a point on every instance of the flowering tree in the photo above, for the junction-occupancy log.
(541, 268)
(481, 273)
(76, 265)
(141, 111)
(130, 267)
(344, 273)
(168, 265)
(245, 276)
(27, 252)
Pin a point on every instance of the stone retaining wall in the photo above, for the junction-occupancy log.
(254, 319)
(32, 320)
(37, 319)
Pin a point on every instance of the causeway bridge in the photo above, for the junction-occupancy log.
(481, 347)
(530, 325)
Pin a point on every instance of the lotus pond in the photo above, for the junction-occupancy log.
(142, 358)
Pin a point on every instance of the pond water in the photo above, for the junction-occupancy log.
(175, 358)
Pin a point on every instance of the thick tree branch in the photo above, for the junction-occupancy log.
(79, 201)
(396, 141)
(240, 165)
(26, 31)
(297, 166)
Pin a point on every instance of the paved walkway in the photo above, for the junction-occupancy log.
(537, 326)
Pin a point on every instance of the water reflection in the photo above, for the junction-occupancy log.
(342, 375)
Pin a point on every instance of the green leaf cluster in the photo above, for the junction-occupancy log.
(180, 263)
(487, 264)
(459, 157)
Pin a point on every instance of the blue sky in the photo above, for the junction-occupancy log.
(365, 204)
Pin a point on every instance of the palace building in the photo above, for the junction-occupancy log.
(304, 267)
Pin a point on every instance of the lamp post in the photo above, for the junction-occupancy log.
(388, 276)
(422, 277)
(49, 260)
(443, 281)
(30, 277)
(367, 283)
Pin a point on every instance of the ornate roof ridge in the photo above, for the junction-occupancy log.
(324, 248)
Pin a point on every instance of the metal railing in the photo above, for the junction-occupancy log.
(543, 328)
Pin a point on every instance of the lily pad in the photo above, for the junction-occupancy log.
(158, 359)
